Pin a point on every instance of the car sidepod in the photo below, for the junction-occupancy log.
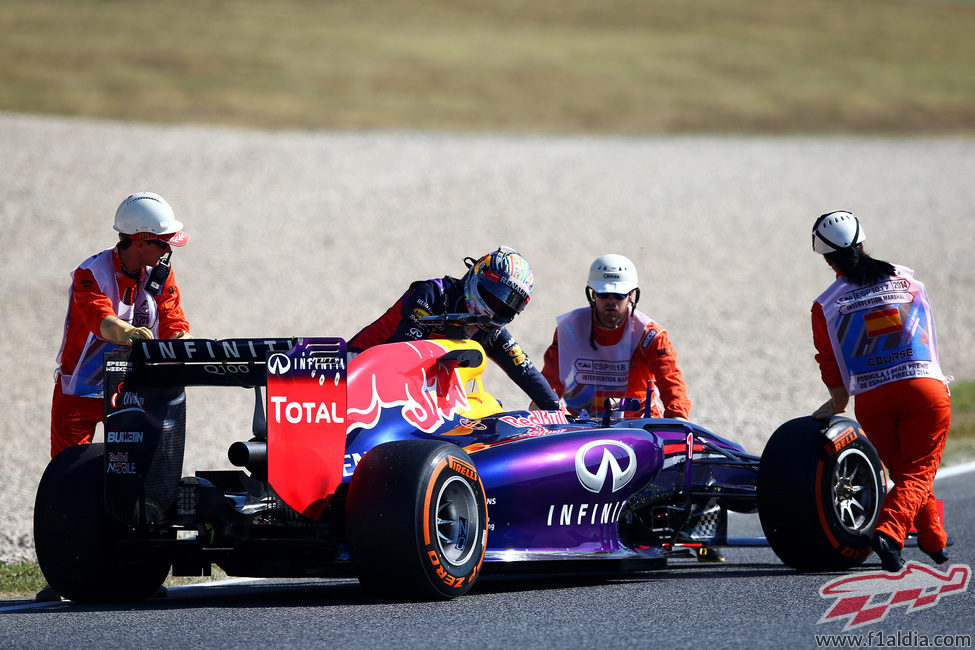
(560, 496)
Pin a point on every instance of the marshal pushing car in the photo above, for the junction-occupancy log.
(400, 469)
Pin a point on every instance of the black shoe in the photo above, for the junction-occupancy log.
(890, 556)
(162, 592)
(939, 557)
(47, 595)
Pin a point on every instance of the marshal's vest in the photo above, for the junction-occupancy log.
(881, 333)
(590, 376)
(88, 376)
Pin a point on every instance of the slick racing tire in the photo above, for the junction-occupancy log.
(416, 520)
(75, 541)
(820, 488)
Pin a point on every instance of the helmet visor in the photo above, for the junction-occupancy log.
(504, 302)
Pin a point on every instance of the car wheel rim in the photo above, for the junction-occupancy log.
(855, 491)
(457, 521)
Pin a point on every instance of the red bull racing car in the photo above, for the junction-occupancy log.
(400, 469)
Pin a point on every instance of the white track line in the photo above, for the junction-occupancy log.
(955, 470)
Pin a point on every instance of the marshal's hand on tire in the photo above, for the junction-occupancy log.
(838, 399)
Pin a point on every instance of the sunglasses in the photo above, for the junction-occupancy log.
(160, 244)
(607, 294)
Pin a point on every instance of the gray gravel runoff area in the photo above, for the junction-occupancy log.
(317, 233)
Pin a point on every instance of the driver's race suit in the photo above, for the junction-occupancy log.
(100, 289)
(436, 296)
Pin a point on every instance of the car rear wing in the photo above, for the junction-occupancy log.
(201, 362)
(145, 407)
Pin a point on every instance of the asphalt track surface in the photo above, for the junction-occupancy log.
(751, 600)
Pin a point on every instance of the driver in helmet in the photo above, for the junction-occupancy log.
(611, 350)
(117, 297)
(498, 286)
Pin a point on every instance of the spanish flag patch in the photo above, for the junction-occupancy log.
(885, 321)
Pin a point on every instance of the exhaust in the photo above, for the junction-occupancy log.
(251, 455)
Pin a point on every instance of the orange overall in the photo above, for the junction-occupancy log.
(654, 361)
(74, 416)
(907, 420)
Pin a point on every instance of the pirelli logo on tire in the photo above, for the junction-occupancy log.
(843, 439)
(462, 468)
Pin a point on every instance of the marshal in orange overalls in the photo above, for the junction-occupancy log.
(100, 289)
(879, 343)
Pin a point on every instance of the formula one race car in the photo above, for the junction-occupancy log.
(398, 468)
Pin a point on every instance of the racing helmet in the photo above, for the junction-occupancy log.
(145, 215)
(498, 285)
(836, 230)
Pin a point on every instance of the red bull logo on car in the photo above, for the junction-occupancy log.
(407, 381)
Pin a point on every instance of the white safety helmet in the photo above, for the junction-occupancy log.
(145, 215)
(836, 230)
(612, 273)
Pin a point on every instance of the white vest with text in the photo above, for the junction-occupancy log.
(590, 376)
(881, 333)
(88, 377)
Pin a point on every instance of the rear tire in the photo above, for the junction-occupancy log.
(820, 488)
(76, 542)
(416, 518)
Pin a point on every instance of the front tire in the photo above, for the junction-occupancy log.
(820, 488)
(416, 518)
(76, 542)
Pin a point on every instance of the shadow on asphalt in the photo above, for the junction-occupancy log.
(326, 592)
(345, 592)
